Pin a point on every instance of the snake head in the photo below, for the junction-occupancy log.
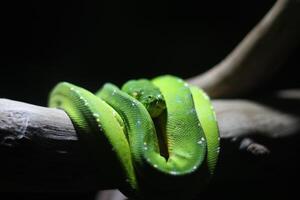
(146, 93)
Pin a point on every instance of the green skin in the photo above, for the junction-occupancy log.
(163, 132)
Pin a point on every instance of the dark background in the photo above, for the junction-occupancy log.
(92, 42)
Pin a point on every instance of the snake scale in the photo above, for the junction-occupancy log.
(163, 132)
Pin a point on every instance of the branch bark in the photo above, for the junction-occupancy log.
(40, 150)
(258, 56)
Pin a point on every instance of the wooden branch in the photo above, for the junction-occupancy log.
(257, 56)
(40, 150)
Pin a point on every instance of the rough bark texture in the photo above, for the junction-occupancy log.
(40, 151)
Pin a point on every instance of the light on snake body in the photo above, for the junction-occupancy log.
(173, 172)
(205, 96)
(134, 106)
(96, 115)
(212, 118)
(215, 117)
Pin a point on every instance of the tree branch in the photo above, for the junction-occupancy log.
(40, 150)
(257, 56)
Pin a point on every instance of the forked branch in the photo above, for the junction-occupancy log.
(258, 56)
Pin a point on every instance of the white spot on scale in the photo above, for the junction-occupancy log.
(218, 150)
(186, 85)
(205, 96)
(219, 138)
(145, 143)
(146, 148)
(96, 115)
(72, 88)
(215, 117)
(133, 104)
(200, 142)
(98, 120)
(173, 172)
(155, 166)
(195, 167)
(202, 138)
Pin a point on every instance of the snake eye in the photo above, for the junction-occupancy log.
(150, 97)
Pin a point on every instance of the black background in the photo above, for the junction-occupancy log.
(92, 42)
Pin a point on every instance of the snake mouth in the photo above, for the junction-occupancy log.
(161, 135)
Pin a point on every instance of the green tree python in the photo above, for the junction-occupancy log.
(163, 132)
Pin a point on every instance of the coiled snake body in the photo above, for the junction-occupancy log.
(163, 132)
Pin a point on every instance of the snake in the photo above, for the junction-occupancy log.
(162, 133)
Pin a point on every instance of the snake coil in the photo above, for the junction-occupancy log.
(163, 133)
